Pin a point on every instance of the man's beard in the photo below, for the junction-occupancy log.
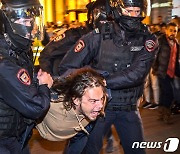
(171, 37)
(83, 113)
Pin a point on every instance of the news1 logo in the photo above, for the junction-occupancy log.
(170, 145)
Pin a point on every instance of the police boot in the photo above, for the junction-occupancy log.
(161, 110)
(109, 146)
(167, 116)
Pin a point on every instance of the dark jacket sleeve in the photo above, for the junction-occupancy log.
(135, 74)
(79, 58)
(30, 100)
(46, 38)
(56, 49)
(177, 70)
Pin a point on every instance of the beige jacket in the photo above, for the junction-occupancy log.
(60, 124)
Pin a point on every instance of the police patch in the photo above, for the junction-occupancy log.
(24, 77)
(59, 37)
(80, 46)
(150, 45)
(136, 48)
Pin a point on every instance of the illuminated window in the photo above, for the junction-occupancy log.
(76, 10)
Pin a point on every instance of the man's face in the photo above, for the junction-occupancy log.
(132, 11)
(92, 103)
(171, 32)
(159, 19)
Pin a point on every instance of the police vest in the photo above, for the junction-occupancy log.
(12, 124)
(116, 55)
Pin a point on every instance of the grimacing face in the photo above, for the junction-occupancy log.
(91, 103)
(171, 32)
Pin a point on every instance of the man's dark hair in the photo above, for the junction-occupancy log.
(163, 25)
(74, 86)
(171, 24)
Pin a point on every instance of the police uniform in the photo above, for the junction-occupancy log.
(54, 52)
(127, 60)
(21, 101)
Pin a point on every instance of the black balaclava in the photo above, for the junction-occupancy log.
(131, 24)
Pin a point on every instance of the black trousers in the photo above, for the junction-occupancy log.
(128, 126)
(12, 146)
(166, 91)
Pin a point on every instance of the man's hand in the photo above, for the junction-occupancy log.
(44, 78)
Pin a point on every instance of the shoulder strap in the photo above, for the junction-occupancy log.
(107, 30)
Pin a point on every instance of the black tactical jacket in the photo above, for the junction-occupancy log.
(54, 52)
(126, 57)
(21, 98)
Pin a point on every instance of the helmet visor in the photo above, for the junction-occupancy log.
(27, 21)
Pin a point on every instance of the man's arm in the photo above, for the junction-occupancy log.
(19, 92)
(177, 70)
(56, 49)
(81, 54)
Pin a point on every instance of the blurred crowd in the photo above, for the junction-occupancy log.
(151, 96)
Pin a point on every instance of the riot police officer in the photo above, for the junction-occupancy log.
(125, 49)
(53, 53)
(22, 99)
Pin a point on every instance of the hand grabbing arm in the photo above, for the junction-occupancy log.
(44, 78)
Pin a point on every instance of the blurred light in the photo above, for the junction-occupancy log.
(72, 16)
(176, 8)
(59, 23)
(157, 5)
(149, 8)
(82, 17)
(0, 4)
(42, 2)
(81, 4)
(71, 4)
(49, 10)
(176, 3)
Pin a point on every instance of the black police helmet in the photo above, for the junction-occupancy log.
(25, 17)
(96, 13)
(122, 5)
(133, 3)
(20, 3)
(130, 13)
